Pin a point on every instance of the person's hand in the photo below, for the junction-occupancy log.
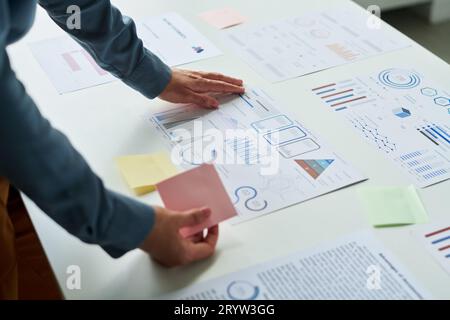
(195, 87)
(167, 246)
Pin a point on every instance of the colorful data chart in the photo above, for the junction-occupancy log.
(426, 165)
(399, 78)
(402, 114)
(441, 240)
(342, 95)
(438, 135)
(436, 239)
(314, 167)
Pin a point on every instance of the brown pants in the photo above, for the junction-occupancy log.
(24, 269)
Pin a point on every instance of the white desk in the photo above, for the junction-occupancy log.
(106, 121)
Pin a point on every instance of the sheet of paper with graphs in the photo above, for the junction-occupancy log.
(354, 267)
(266, 159)
(313, 41)
(402, 112)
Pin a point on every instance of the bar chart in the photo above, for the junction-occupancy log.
(436, 238)
(343, 95)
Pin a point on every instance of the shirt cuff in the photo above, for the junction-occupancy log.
(129, 227)
(150, 77)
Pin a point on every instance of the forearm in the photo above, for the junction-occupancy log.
(42, 163)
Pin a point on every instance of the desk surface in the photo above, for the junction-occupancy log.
(107, 121)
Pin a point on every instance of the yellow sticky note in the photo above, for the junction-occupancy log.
(392, 206)
(143, 172)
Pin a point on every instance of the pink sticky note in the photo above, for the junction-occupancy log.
(196, 188)
(222, 18)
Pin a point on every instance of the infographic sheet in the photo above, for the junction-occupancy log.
(169, 36)
(402, 113)
(68, 66)
(266, 159)
(312, 42)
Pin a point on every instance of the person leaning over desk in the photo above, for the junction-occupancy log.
(40, 161)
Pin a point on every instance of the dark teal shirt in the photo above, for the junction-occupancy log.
(39, 160)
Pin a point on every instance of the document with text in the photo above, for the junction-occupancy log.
(174, 40)
(356, 266)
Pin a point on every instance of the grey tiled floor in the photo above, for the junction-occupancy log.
(435, 38)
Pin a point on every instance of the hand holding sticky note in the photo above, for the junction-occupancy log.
(390, 206)
(197, 188)
(143, 172)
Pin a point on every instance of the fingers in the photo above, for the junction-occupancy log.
(206, 85)
(202, 100)
(196, 237)
(193, 217)
(204, 249)
(213, 236)
(220, 77)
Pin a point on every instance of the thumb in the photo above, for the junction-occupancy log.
(193, 217)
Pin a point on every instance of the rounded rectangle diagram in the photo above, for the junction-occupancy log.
(285, 136)
(272, 123)
(297, 148)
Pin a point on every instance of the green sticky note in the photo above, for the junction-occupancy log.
(390, 206)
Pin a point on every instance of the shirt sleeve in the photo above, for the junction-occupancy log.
(112, 41)
(41, 162)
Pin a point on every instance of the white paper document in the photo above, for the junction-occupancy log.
(312, 42)
(174, 40)
(266, 159)
(402, 113)
(354, 267)
(68, 66)
(436, 240)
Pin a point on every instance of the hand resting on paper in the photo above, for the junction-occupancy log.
(196, 86)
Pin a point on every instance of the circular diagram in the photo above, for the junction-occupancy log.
(249, 196)
(242, 290)
(399, 79)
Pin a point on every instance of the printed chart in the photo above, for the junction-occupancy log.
(169, 36)
(402, 114)
(266, 160)
(312, 42)
(68, 66)
(436, 239)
